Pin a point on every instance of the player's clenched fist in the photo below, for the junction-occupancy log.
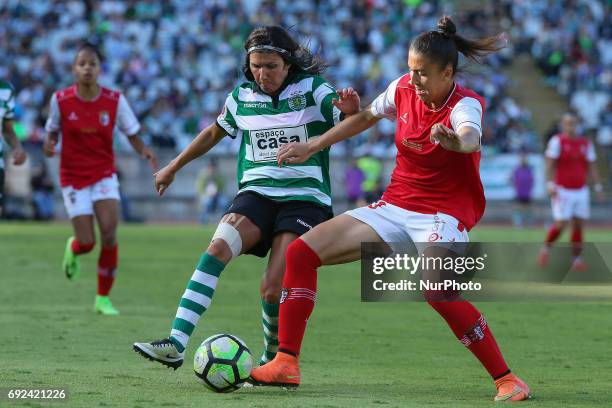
(292, 153)
(445, 137)
(163, 179)
(49, 147)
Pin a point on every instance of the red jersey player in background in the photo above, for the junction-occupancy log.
(86, 114)
(435, 196)
(570, 158)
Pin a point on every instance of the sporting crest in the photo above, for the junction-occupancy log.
(297, 101)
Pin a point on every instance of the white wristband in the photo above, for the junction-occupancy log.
(598, 187)
(551, 185)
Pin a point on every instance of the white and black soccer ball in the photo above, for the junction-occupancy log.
(223, 363)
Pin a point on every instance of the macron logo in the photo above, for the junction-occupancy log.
(404, 118)
(303, 223)
(73, 116)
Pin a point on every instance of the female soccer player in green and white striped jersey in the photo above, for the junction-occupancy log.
(284, 100)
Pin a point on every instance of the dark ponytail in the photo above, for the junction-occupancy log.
(443, 45)
(300, 58)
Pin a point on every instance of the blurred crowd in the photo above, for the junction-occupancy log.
(572, 42)
(176, 60)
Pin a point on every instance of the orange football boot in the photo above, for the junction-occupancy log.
(283, 371)
(511, 388)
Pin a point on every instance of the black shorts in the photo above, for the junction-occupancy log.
(273, 217)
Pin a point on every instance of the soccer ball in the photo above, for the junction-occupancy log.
(223, 363)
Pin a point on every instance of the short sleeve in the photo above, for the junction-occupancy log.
(591, 156)
(384, 104)
(9, 113)
(54, 118)
(553, 149)
(226, 119)
(467, 112)
(323, 95)
(126, 120)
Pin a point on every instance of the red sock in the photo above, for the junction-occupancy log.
(78, 248)
(298, 296)
(576, 242)
(553, 234)
(472, 330)
(107, 265)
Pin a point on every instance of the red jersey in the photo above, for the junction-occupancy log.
(428, 178)
(87, 133)
(573, 155)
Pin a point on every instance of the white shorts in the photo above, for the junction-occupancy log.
(571, 203)
(80, 202)
(398, 227)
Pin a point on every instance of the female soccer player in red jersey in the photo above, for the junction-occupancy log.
(435, 196)
(570, 160)
(86, 114)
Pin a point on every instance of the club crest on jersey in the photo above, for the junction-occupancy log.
(297, 101)
(104, 118)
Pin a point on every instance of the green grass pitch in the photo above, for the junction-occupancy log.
(355, 354)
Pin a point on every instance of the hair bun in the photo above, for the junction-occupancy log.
(446, 26)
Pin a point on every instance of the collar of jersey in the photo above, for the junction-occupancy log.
(445, 102)
(76, 93)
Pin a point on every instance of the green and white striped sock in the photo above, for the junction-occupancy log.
(196, 299)
(269, 313)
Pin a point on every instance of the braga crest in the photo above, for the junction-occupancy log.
(104, 118)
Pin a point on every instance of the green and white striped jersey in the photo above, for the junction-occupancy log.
(7, 110)
(303, 111)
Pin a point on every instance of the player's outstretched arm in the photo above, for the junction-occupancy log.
(50, 143)
(550, 166)
(202, 143)
(300, 152)
(597, 186)
(142, 149)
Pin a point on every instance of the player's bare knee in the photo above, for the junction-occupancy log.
(271, 290)
(272, 296)
(271, 286)
(220, 250)
(577, 223)
(86, 241)
(108, 236)
(109, 240)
